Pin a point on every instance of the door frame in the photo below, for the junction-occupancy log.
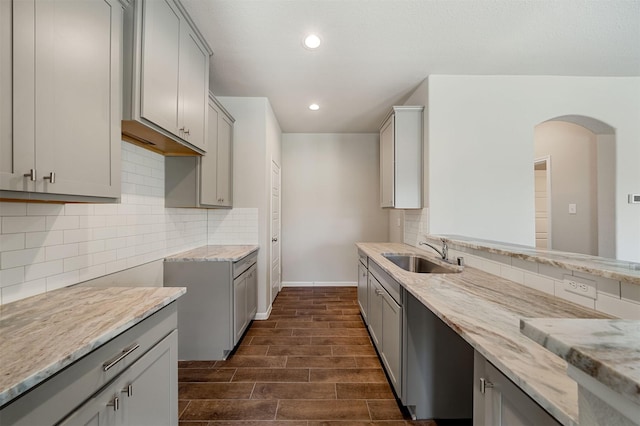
(546, 160)
(275, 164)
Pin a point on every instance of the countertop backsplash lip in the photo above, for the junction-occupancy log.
(214, 253)
(485, 310)
(621, 270)
(54, 320)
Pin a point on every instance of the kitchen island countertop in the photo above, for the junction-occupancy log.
(485, 310)
(214, 253)
(43, 334)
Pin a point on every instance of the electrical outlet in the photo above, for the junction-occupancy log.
(581, 286)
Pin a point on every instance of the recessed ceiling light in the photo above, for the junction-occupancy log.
(311, 41)
(314, 107)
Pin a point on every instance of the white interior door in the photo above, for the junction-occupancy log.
(542, 172)
(275, 230)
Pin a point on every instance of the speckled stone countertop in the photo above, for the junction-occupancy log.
(601, 266)
(485, 311)
(213, 254)
(43, 334)
(607, 350)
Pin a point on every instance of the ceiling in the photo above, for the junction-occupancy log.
(375, 52)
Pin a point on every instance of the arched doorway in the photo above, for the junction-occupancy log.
(579, 169)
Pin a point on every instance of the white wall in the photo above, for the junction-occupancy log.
(257, 138)
(573, 153)
(330, 201)
(481, 147)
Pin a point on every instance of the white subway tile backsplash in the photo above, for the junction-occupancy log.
(61, 252)
(15, 224)
(79, 209)
(11, 276)
(77, 235)
(12, 242)
(551, 271)
(43, 239)
(525, 264)
(620, 308)
(55, 282)
(55, 223)
(43, 270)
(44, 209)
(572, 297)
(630, 292)
(513, 274)
(13, 209)
(22, 290)
(539, 282)
(11, 259)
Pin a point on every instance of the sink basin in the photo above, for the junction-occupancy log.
(420, 264)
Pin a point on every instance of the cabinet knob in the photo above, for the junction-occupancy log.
(128, 390)
(115, 404)
(31, 175)
(274, 240)
(51, 178)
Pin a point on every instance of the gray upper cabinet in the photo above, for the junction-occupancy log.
(60, 75)
(204, 181)
(401, 136)
(166, 79)
(217, 166)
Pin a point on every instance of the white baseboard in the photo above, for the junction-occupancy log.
(319, 284)
(260, 316)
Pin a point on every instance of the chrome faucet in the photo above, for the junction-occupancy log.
(444, 253)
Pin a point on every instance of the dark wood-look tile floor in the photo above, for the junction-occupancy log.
(310, 364)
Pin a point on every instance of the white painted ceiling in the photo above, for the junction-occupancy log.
(375, 52)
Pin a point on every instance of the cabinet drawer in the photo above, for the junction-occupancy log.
(59, 395)
(243, 264)
(363, 259)
(389, 284)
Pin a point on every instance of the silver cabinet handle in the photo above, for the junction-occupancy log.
(181, 129)
(187, 132)
(31, 175)
(378, 292)
(485, 384)
(126, 351)
(115, 404)
(51, 178)
(128, 390)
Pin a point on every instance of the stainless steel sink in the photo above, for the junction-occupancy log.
(420, 264)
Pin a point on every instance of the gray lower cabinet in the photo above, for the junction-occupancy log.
(498, 401)
(363, 288)
(386, 322)
(60, 75)
(130, 380)
(220, 303)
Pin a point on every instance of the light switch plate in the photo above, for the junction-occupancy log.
(573, 209)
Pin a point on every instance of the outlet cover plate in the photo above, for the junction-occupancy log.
(581, 286)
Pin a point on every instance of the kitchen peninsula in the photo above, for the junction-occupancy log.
(485, 310)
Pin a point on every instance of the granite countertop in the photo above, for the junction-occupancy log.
(213, 254)
(41, 335)
(601, 266)
(607, 350)
(485, 310)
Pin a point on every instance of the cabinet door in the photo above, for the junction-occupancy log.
(160, 64)
(192, 89)
(252, 294)
(387, 164)
(240, 307)
(375, 311)
(391, 352)
(209, 161)
(150, 392)
(501, 402)
(363, 290)
(67, 96)
(224, 175)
